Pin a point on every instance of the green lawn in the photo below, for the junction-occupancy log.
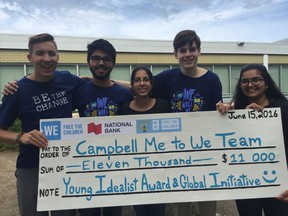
(17, 128)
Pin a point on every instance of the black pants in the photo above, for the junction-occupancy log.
(150, 210)
(107, 211)
(254, 207)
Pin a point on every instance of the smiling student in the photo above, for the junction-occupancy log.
(256, 89)
(43, 94)
(101, 96)
(143, 103)
(189, 88)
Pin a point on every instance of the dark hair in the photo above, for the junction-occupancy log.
(136, 69)
(186, 37)
(272, 91)
(101, 44)
(40, 38)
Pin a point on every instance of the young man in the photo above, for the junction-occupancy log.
(101, 97)
(45, 93)
(189, 88)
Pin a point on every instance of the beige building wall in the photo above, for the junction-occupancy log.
(224, 58)
(13, 56)
(79, 57)
(278, 59)
(229, 59)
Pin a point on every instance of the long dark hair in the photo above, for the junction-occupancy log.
(272, 92)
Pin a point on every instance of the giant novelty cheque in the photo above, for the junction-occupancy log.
(161, 158)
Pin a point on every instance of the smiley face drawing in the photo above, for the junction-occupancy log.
(270, 181)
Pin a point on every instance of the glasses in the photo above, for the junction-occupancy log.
(144, 80)
(97, 59)
(253, 81)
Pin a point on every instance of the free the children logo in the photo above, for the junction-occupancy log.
(158, 125)
(62, 130)
(52, 130)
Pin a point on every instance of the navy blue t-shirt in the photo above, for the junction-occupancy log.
(92, 100)
(187, 94)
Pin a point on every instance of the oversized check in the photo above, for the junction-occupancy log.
(161, 158)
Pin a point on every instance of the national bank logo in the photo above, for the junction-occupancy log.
(111, 127)
(93, 128)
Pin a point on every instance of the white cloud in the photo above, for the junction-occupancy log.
(213, 20)
(12, 6)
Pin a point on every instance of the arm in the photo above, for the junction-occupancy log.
(10, 88)
(123, 83)
(224, 107)
(283, 196)
(255, 107)
(33, 137)
(220, 106)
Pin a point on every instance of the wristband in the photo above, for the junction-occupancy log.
(18, 139)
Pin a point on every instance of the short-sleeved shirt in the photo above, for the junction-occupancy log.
(93, 100)
(187, 94)
(34, 101)
(160, 106)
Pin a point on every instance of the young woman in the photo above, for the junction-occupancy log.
(143, 103)
(142, 83)
(256, 90)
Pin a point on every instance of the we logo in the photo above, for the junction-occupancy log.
(52, 130)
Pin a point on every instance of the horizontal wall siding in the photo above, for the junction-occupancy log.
(146, 58)
(278, 59)
(9, 56)
(229, 59)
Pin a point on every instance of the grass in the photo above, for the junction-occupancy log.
(8, 147)
(16, 128)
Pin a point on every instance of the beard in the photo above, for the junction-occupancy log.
(101, 76)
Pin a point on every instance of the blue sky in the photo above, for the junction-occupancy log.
(213, 20)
